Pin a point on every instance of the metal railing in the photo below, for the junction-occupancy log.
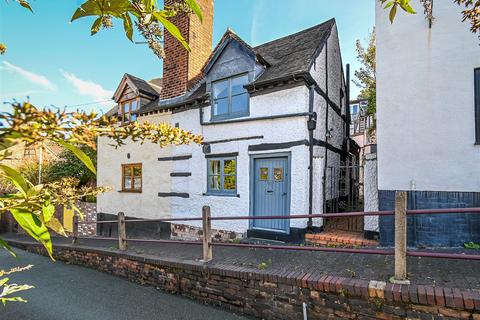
(400, 219)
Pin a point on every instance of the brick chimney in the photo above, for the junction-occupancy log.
(179, 65)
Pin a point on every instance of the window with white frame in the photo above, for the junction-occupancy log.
(222, 176)
(230, 98)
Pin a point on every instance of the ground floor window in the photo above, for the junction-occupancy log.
(222, 175)
(132, 177)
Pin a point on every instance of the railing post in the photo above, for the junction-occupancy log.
(122, 233)
(207, 234)
(75, 229)
(401, 237)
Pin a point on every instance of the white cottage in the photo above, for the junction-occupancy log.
(428, 123)
(273, 118)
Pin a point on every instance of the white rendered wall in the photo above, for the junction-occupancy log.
(155, 175)
(291, 100)
(285, 101)
(331, 55)
(370, 191)
(425, 101)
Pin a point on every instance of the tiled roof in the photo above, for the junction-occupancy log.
(293, 53)
(196, 93)
(142, 85)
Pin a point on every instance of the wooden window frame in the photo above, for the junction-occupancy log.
(132, 166)
(122, 109)
(230, 114)
(222, 176)
(476, 96)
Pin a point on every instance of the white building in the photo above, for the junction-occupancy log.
(428, 121)
(271, 117)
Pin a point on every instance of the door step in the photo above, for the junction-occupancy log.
(339, 239)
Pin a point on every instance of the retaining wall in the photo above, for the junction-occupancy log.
(277, 295)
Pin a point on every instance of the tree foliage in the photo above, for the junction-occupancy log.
(68, 165)
(8, 289)
(366, 76)
(471, 11)
(32, 205)
(144, 15)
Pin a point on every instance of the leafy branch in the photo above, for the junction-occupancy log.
(470, 13)
(33, 206)
(8, 289)
(145, 15)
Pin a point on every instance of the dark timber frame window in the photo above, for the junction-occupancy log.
(230, 98)
(477, 106)
(128, 110)
(132, 177)
(222, 176)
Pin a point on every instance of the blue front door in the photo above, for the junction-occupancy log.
(271, 193)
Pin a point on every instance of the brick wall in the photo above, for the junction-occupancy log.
(279, 296)
(179, 65)
(90, 214)
(190, 233)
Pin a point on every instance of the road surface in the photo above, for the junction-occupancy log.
(72, 292)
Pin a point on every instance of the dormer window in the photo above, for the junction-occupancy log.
(128, 110)
(230, 98)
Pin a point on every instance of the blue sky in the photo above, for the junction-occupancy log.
(55, 62)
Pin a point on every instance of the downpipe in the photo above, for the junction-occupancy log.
(311, 126)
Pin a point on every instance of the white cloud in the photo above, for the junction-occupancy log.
(20, 93)
(87, 87)
(256, 19)
(30, 76)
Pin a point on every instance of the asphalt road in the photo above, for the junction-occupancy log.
(71, 292)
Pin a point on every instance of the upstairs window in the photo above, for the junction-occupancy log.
(222, 176)
(128, 110)
(132, 177)
(477, 106)
(230, 98)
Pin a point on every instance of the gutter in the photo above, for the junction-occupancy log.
(296, 76)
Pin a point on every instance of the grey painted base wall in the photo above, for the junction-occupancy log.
(165, 230)
(445, 230)
(137, 230)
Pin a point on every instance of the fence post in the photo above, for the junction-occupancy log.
(75, 229)
(207, 234)
(122, 233)
(401, 237)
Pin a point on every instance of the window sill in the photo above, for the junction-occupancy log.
(477, 144)
(130, 191)
(213, 194)
(215, 119)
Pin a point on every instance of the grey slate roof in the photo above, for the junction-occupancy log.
(293, 53)
(142, 85)
(282, 57)
(198, 92)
